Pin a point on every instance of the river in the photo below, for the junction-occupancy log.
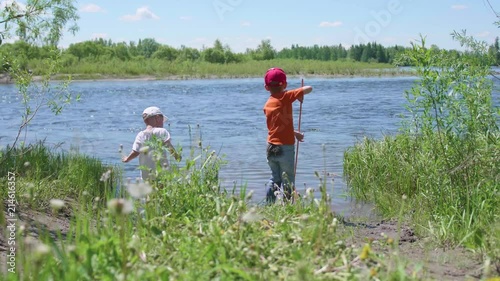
(228, 115)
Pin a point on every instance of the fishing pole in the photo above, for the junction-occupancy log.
(298, 142)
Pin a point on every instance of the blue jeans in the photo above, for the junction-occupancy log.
(283, 174)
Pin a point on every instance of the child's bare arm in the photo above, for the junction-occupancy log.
(307, 89)
(131, 156)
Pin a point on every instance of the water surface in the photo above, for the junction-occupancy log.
(229, 115)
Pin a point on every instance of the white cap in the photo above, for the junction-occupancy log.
(153, 111)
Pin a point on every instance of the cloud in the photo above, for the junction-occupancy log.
(245, 23)
(330, 24)
(483, 34)
(91, 8)
(459, 7)
(142, 13)
(185, 18)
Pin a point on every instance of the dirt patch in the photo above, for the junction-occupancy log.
(418, 254)
(35, 224)
(5, 78)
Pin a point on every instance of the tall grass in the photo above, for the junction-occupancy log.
(184, 226)
(446, 157)
(45, 173)
(160, 68)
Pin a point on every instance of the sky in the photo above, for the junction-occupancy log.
(242, 24)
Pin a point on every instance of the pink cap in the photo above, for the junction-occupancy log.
(275, 77)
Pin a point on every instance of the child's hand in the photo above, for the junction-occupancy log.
(299, 136)
(178, 157)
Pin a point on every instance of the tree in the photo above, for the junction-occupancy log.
(165, 53)
(37, 22)
(188, 54)
(121, 51)
(147, 47)
(494, 51)
(381, 56)
(265, 51)
(219, 54)
(214, 55)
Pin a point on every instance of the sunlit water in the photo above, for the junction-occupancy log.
(337, 114)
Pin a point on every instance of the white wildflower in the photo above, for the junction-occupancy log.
(56, 204)
(135, 242)
(120, 206)
(142, 255)
(249, 195)
(42, 249)
(317, 202)
(71, 249)
(304, 217)
(105, 176)
(251, 216)
(310, 192)
(139, 190)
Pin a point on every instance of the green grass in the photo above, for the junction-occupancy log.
(45, 173)
(190, 229)
(383, 171)
(444, 160)
(88, 69)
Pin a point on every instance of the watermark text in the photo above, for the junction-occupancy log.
(11, 219)
(380, 19)
(222, 7)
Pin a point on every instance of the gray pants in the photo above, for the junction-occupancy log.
(282, 170)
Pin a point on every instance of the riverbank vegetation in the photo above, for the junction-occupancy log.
(104, 59)
(183, 226)
(101, 59)
(442, 169)
(440, 175)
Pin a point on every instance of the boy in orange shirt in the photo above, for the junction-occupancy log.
(281, 134)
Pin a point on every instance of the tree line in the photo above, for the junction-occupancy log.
(148, 48)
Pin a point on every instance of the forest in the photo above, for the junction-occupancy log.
(102, 51)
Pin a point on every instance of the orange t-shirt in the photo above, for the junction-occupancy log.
(279, 115)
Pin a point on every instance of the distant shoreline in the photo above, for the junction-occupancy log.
(5, 79)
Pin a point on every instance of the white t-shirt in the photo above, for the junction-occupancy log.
(147, 159)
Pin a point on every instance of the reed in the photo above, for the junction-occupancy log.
(445, 158)
(45, 173)
(114, 68)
